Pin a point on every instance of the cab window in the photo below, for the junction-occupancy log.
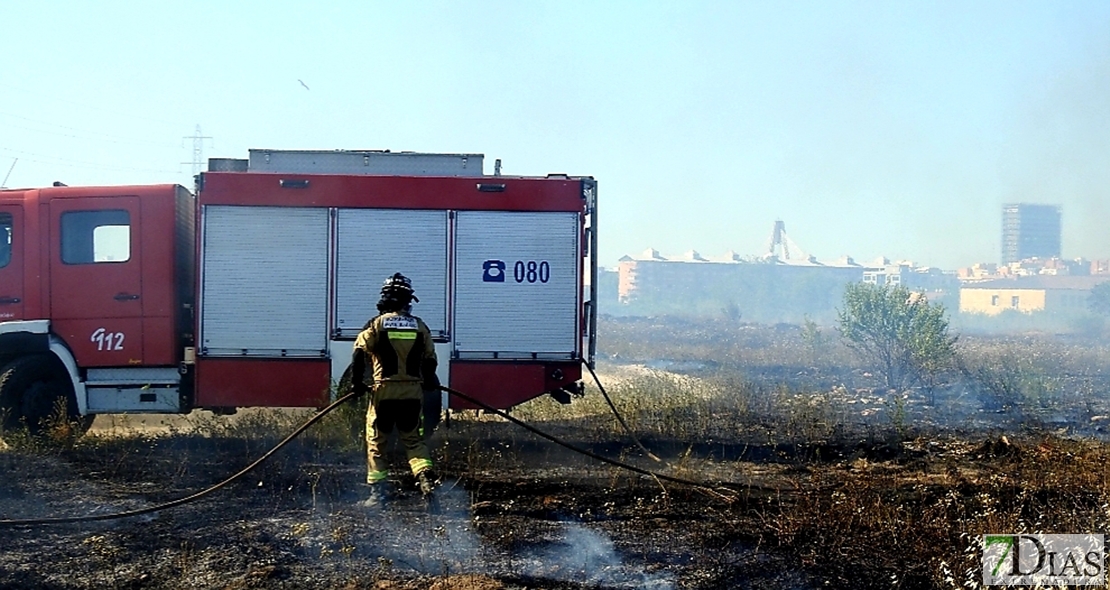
(5, 239)
(91, 237)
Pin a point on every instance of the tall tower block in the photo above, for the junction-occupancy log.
(1030, 231)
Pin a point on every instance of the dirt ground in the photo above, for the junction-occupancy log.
(513, 512)
(510, 514)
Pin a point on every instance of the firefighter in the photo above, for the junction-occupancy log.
(398, 346)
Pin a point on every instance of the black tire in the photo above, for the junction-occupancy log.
(31, 388)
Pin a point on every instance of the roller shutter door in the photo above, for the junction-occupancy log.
(516, 285)
(265, 281)
(374, 244)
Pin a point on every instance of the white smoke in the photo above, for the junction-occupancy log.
(441, 538)
(589, 556)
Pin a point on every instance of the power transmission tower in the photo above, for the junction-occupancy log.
(198, 150)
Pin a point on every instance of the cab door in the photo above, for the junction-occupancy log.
(96, 292)
(11, 263)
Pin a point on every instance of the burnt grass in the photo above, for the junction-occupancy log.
(516, 513)
(889, 501)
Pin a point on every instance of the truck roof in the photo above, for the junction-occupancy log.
(491, 193)
(63, 192)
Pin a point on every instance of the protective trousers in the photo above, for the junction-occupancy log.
(381, 417)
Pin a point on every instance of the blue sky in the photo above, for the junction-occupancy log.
(870, 128)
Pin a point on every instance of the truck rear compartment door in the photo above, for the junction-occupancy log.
(264, 282)
(517, 278)
(375, 243)
(11, 263)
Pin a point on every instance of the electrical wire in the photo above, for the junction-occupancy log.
(39, 95)
(88, 135)
(64, 162)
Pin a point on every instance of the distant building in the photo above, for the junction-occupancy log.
(979, 271)
(651, 274)
(1032, 267)
(783, 284)
(764, 289)
(1057, 266)
(1030, 231)
(607, 289)
(1065, 294)
(906, 274)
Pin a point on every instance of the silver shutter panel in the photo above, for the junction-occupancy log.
(533, 311)
(265, 281)
(374, 244)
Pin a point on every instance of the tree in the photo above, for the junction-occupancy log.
(1099, 299)
(899, 331)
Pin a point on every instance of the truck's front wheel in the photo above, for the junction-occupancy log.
(35, 393)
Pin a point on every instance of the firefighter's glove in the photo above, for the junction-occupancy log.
(428, 373)
(358, 370)
(359, 388)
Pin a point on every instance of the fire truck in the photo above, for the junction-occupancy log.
(249, 290)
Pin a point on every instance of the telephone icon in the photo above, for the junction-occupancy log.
(494, 271)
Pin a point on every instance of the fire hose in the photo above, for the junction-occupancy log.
(616, 413)
(186, 499)
(28, 522)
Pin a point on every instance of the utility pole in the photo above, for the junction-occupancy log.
(9, 174)
(198, 150)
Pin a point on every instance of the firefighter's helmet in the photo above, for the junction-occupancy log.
(398, 287)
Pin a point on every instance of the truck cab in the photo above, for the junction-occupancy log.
(95, 295)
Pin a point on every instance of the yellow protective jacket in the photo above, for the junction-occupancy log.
(401, 353)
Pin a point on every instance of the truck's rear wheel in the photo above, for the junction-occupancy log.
(35, 393)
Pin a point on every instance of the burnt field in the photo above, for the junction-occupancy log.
(814, 478)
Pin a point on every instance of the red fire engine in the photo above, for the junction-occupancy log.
(150, 299)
